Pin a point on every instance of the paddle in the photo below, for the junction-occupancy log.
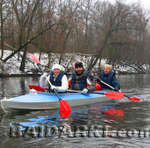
(111, 95)
(65, 109)
(130, 98)
(36, 87)
(34, 59)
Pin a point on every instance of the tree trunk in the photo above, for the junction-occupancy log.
(61, 58)
(2, 31)
(93, 61)
(40, 54)
(23, 62)
(49, 59)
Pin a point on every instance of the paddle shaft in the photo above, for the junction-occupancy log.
(130, 98)
(127, 97)
(77, 91)
(107, 85)
(54, 89)
(57, 94)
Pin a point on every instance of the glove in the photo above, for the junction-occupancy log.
(116, 89)
(84, 91)
(53, 87)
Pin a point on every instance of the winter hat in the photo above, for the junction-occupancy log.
(78, 64)
(107, 66)
(56, 66)
(62, 68)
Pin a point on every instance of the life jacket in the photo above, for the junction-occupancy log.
(98, 86)
(57, 81)
(107, 78)
(82, 80)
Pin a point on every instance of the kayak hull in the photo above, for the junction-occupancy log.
(47, 101)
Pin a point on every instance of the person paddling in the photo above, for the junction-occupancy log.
(82, 79)
(108, 76)
(57, 78)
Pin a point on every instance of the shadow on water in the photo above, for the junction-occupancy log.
(118, 116)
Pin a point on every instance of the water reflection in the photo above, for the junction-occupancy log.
(128, 115)
(23, 86)
(15, 86)
(2, 87)
(138, 81)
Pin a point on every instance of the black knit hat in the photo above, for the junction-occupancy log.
(78, 64)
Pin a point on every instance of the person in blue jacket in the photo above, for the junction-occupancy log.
(108, 76)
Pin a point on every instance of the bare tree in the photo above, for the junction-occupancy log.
(4, 13)
(117, 32)
(112, 21)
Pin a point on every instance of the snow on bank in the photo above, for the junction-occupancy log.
(13, 64)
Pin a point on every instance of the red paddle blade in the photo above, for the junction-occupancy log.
(37, 88)
(34, 59)
(114, 95)
(134, 99)
(116, 112)
(113, 114)
(65, 109)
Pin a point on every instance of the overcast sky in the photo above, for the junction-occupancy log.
(144, 3)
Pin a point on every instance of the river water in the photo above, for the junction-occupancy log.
(128, 129)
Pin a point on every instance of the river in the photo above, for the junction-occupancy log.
(129, 129)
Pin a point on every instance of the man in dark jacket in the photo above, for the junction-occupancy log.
(108, 77)
(82, 79)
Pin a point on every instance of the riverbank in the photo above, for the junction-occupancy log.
(12, 66)
(38, 74)
(18, 75)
